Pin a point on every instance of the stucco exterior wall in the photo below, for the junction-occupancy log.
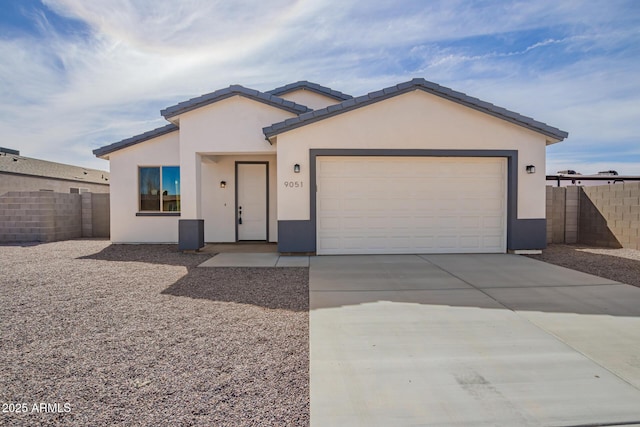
(218, 204)
(12, 182)
(230, 126)
(126, 227)
(309, 99)
(415, 120)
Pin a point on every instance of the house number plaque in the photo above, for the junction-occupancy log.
(294, 184)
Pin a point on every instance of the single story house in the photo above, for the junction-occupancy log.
(412, 168)
(20, 173)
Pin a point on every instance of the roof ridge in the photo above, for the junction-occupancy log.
(411, 85)
(232, 90)
(314, 87)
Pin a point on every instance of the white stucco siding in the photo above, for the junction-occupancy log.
(126, 227)
(230, 126)
(415, 120)
(218, 204)
(309, 99)
(233, 125)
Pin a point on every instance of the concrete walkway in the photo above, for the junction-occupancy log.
(478, 340)
(249, 259)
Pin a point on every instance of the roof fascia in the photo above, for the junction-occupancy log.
(134, 140)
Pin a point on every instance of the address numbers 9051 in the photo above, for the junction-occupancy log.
(294, 184)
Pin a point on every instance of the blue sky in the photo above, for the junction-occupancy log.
(79, 74)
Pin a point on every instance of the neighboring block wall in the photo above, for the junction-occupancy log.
(604, 215)
(95, 215)
(44, 216)
(563, 205)
(67, 210)
(611, 215)
(100, 215)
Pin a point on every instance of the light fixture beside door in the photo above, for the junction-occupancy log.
(296, 168)
(223, 184)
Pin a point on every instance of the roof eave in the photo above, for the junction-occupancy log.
(103, 152)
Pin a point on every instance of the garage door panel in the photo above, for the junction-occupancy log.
(493, 223)
(410, 205)
(471, 243)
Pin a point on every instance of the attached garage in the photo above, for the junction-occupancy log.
(413, 168)
(384, 205)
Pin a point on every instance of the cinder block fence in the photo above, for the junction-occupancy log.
(44, 216)
(603, 215)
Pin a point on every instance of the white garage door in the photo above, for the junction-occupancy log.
(385, 205)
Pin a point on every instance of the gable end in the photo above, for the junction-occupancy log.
(313, 87)
(233, 90)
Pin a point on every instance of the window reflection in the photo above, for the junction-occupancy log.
(156, 197)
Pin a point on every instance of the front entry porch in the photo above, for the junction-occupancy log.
(234, 198)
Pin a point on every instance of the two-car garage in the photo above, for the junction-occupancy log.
(410, 169)
(377, 204)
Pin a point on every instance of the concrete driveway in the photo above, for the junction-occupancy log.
(478, 340)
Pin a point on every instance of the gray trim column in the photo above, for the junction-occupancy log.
(190, 234)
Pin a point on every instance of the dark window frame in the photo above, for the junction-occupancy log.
(161, 193)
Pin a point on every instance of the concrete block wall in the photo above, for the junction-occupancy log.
(45, 216)
(67, 212)
(562, 209)
(549, 213)
(86, 218)
(571, 214)
(100, 215)
(611, 216)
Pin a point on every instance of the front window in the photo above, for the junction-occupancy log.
(159, 189)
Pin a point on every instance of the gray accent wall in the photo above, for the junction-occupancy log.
(190, 234)
(300, 236)
(526, 234)
(296, 236)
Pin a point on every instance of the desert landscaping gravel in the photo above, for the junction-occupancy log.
(621, 265)
(95, 334)
(128, 335)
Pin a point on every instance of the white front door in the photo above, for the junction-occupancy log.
(251, 213)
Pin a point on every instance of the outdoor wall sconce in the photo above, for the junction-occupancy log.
(296, 168)
(223, 184)
(531, 169)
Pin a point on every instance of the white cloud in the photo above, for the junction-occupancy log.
(64, 93)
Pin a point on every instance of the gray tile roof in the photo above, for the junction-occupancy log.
(99, 152)
(415, 84)
(233, 90)
(20, 165)
(314, 87)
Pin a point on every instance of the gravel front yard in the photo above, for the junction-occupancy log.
(622, 265)
(137, 336)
